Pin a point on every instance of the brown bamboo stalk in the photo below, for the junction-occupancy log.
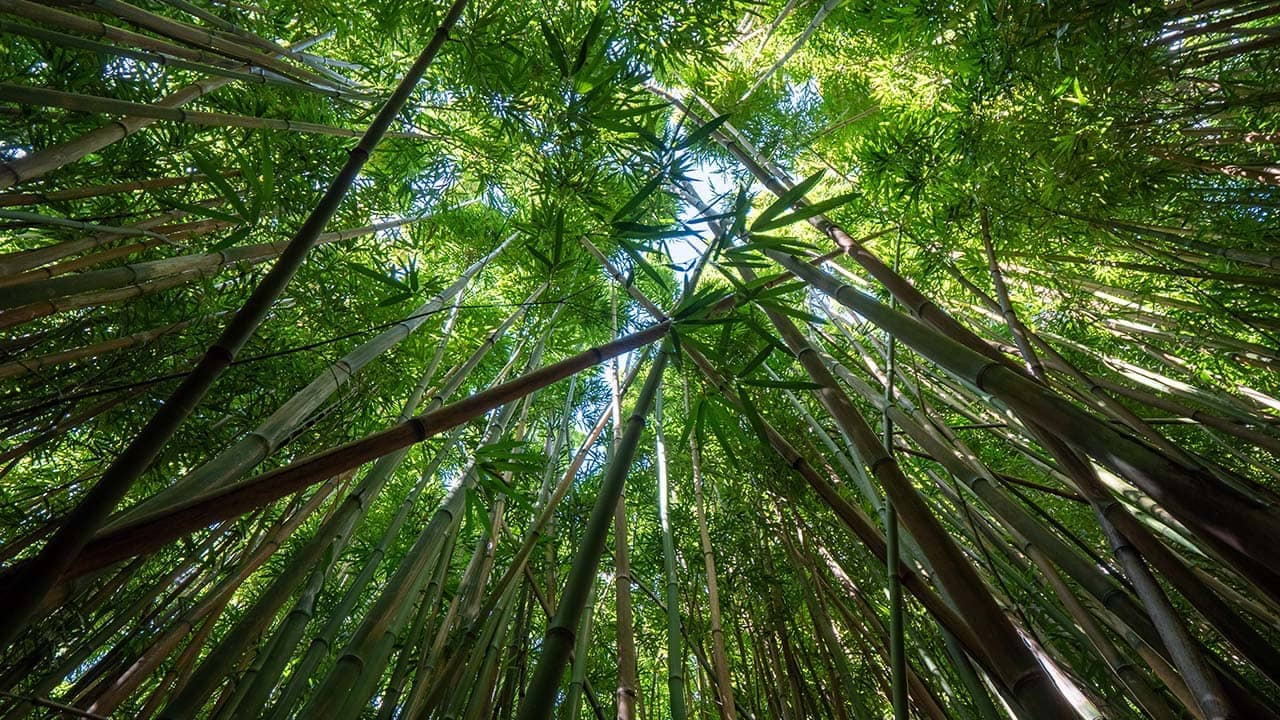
(152, 531)
(80, 193)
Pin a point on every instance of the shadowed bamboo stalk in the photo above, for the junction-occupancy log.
(627, 697)
(75, 102)
(29, 585)
(558, 642)
(252, 75)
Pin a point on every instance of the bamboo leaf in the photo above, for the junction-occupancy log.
(556, 47)
(703, 132)
(805, 212)
(627, 211)
(589, 40)
(213, 173)
(786, 200)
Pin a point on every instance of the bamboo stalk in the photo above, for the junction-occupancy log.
(201, 38)
(562, 629)
(80, 193)
(21, 597)
(259, 77)
(76, 102)
(146, 533)
(1191, 495)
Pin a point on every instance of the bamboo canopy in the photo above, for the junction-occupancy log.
(641, 359)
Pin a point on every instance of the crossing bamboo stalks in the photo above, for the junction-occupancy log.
(368, 646)
(172, 235)
(1231, 523)
(231, 463)
(44, 97)
(19, 368)
(147, 533)
(22, 261)
(852, 517)
(541, 525)
(322, 643)
(202, 38)
(1014, 662)
(212, 606)
(22, 596)
(136, 273)
(1191, 664)
(563, 627)
(250, 76)
(331, 538)
(35, 311)
(48, 159)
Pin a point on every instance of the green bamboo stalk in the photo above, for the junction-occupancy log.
(173, 235)
(675, 653)
(559, 639)
(205, 264)
(724, 682)
(32, 582)
(321, 644)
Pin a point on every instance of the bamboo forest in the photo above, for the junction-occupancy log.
(640, 359)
